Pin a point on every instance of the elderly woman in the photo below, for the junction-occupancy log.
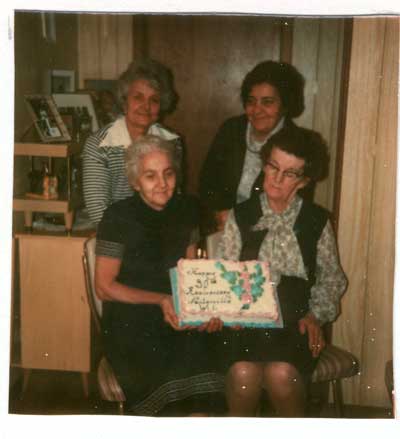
(296, 238)
(272, 93)
(146, 94)
(138, 240)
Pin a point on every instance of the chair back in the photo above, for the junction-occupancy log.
(212, 242)
(89, 262)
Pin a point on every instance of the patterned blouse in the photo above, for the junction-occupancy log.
(281, 249)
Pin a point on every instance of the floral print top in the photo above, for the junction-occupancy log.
(281, 249)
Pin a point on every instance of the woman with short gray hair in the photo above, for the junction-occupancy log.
(143, 146)
(146, 92)
(139, 239)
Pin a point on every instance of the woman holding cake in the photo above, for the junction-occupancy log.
(296, 238)
(138, 240)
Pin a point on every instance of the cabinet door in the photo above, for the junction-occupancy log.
(55, 317)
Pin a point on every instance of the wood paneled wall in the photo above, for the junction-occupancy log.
(214, 53)
(317, 52)
(367, 206)
(105, 45)
(209, 55)
(34, 56)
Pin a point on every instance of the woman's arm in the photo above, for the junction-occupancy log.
(217, 181)
(96, 179)
(109, 289)
(329, 285)
(330, 280)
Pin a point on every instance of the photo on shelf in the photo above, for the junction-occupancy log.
(47, 119)
(62, 81)
(79, 104)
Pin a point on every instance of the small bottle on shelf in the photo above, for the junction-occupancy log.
(50, 185)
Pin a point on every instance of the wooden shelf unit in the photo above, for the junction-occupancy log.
(55, 321)
(46, 149)
(64, 205)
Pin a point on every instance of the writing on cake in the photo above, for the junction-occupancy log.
(239, 293)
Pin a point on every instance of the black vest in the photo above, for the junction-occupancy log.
(293, 292)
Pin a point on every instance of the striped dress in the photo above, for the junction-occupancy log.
(104, 178)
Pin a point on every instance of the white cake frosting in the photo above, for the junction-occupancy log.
(239, 293)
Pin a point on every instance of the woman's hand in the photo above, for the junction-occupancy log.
(316, 340)
(168, 310)
(215, 324)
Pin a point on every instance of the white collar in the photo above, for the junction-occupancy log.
(254, 144)
(118, 134)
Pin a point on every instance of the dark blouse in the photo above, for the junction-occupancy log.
(154, 363)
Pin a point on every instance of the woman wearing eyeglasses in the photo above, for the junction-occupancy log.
(272, 94)
(296, 238)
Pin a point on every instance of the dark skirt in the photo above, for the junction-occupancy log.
(286, 344)
(156, 365)
(264, 345)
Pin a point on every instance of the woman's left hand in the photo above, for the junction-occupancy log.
(316, 340)
(213, 325)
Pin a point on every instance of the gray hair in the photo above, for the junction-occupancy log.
(158, 76)
(145, 145)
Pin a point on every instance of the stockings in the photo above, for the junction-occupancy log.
(282, 382)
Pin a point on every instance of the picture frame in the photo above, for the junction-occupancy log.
(77, 101)
(61, 81)
(46, 118)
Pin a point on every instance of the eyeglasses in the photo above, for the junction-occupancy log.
(290, 174)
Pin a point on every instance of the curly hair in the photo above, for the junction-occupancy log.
(159, 77)
(284, 77)
(303, 143)
(144, 145)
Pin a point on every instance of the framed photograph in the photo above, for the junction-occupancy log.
(62, 81)
(47, 119)
(77, 103)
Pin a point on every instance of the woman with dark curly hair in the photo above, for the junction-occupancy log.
(296, 238)
(272, 94)
(146, 93)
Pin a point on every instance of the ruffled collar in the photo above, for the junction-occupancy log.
(272, 221)
(118, 134)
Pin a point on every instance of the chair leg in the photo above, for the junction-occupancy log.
(85, 383)
(120, 408)
(338, 398)
(25, 378)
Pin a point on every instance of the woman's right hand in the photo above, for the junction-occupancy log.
(168, 310)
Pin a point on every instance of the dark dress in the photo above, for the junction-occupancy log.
(286, 344)
(155, 364)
